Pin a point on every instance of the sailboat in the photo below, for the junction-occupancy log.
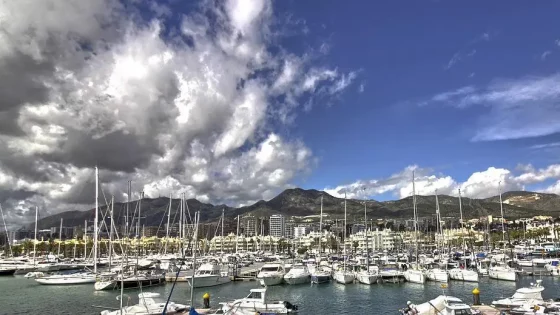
(463, 274)
(131, 276)
(80, 277)
(318, 274)
(500, 270)
(367, 276)
(435, 273)
(344, 276)
(415, 274)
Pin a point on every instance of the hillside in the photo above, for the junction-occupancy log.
(300, 202)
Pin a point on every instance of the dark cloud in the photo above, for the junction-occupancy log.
(116, 151)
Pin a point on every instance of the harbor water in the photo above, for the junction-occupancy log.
(19, 295)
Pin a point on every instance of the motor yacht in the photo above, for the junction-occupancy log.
(441, 305)
(209, 275)
(271, 274)
(527, 295)
(256, 303)
(149, 304)
(297, 275)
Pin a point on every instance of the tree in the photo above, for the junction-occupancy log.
(302, 250)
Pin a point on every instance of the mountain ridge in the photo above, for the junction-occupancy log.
(301, 202)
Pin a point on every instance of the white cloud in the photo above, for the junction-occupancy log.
(361, 87)
(520, 108)
(189, 111)
(545, 146)
(545, 54)
(454, 59)
(553, 189)
(480, 184)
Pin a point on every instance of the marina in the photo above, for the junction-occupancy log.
(24, 296)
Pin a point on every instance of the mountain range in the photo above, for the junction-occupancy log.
(300, 202)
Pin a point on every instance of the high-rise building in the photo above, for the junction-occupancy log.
(249, 225)
(300, 231)
(289, 229)
(277, 225)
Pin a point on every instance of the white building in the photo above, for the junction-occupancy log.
(375, 240)
(277, 225)
(249, 225)
(300, 231)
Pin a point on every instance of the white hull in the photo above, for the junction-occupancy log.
(502, 274)
(414, 276)
(270, 280)
(66, 281)
(437, 275)
(344, 277)
(366, 278)
(248, 308)
(297, 280)
(209, 281)
(553, 270)
(463, 275)
(319, 278)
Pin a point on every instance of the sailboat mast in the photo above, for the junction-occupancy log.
(59, 239)
(461, 215)
(438, 221)
(321, 225)
(85, 238)
(502, 213)
(414, 210)
(6, 229)
(366, 234)
(111, 231)
(237, 235)
(181, 211)
(35, 237)
(344, 244)
(195, 245)
(222, 238)
(168, 222)
(96, 220)
(126, 227)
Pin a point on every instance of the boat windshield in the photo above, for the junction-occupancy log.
(270, 269)
(255, 295)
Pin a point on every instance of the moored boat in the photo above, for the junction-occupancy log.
(298, 275)
(256, 303)
(271, 274)
(67, 279)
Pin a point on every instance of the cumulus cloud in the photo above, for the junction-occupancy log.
(521, 108)
(480, 184)
(176, 102)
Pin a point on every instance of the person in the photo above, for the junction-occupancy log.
(410, 308)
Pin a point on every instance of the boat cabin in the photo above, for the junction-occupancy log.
(455, 306)
(257, 295)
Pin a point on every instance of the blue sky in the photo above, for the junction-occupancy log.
(233, 101)
(405, 57)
